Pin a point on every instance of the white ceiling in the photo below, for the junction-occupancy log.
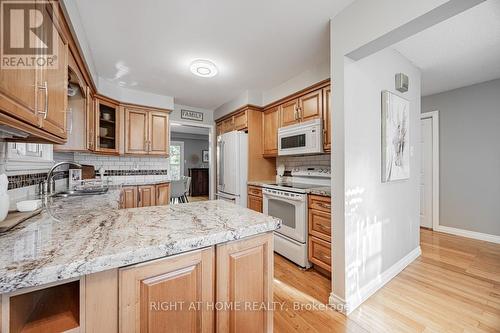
(257, 44)
(458, 52)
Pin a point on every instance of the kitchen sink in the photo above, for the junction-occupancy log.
(75, 193)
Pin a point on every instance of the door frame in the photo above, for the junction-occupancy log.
(434, 116)
(212, 141)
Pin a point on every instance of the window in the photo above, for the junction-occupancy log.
(176, 160)
(28, 156)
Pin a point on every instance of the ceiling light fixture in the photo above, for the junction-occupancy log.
(203, 68)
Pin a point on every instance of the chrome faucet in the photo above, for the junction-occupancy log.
(50, 174)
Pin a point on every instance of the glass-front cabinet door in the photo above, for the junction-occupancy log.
(107, 121)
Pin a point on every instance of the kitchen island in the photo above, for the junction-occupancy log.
(111, 269)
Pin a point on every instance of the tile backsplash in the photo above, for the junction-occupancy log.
(124, 163)
(312, 160)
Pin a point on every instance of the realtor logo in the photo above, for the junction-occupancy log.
(28, 37)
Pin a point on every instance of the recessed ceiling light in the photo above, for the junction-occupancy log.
(203, 68)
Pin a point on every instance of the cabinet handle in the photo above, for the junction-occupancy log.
(44, 86)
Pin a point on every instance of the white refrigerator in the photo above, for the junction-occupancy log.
(232, 167)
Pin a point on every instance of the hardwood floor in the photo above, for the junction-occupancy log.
(198, 198)
(453, 287)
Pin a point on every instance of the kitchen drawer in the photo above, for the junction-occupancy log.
(321, 203)
(255, 190)
(320, 253)
(320, 224)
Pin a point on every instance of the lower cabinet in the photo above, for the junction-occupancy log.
(168, 295)
(128, 197)
(216, 289)
(145, 195)
(206, 290)
(162, 194)
(244, 271)
(254, 198)
(320, 233)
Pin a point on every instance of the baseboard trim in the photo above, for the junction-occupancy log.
(346, 307)
(337, 303)
(468, 234)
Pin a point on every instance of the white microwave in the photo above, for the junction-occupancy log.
(301, 139)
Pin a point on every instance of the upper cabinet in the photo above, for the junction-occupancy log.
(146, 132)
(270, 124)
(54, 82)
(311, 105)
(107, 124)
(289, 113)
(327, 127)
(34, 99)
(235, 122)
(158, 131)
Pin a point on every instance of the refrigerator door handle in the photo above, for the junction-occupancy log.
(220, 164)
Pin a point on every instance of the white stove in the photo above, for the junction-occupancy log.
(287, 200)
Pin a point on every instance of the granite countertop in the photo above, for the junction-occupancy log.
(76, 236)
(260, 182)
(325, 191)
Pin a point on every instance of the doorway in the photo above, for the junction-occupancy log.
(429, 173)
(191, 159)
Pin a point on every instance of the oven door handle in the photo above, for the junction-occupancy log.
(282, 198)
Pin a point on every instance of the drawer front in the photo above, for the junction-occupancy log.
(320, 224)
(320, 203)
(254, 190)
(320, 253)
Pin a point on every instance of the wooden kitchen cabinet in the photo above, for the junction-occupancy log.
(158, 131)
(90, 120)
(219, 128)
(34, 100)
(147, 196)
(271, 121)
(148, 293)
(56, 83)
(254, 198)
(289, 113)
(311, 105)
(327, 127)
(320, 233)
(129, 197)
(237, 284)
(107, 121)
(162, 194)
(146, 132)
(240, 121)
(136, 129)
(320, 253)
(228, 125)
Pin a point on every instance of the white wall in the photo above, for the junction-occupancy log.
(247, 97)
(361, 29)
(469, 140)
(382, 219)
(303, 80)
(193, 146)
(127, 95)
